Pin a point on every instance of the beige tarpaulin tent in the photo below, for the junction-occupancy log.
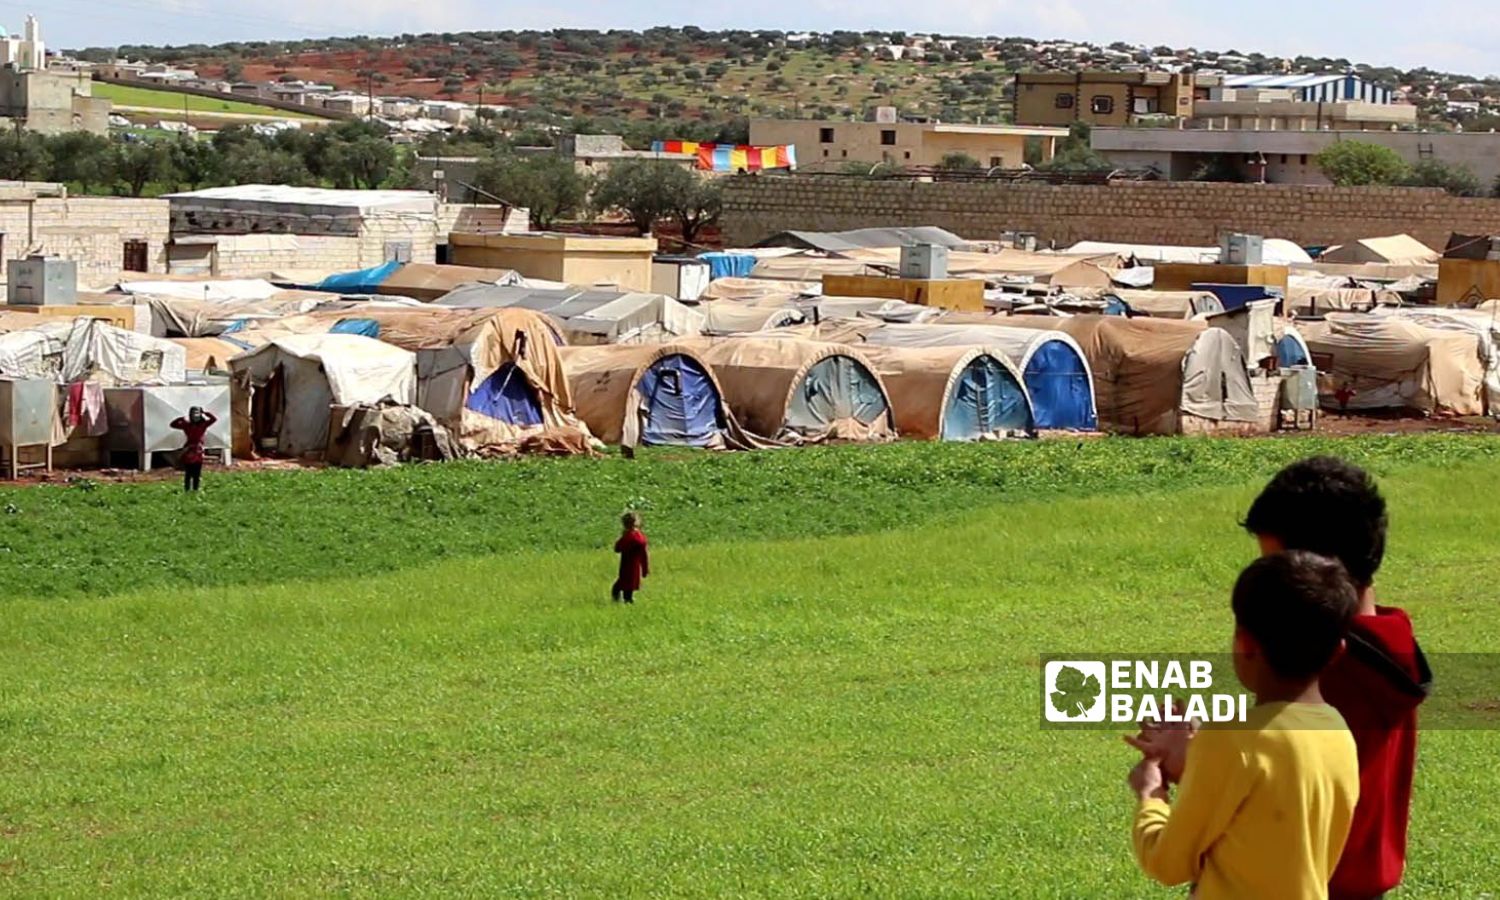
(757, 288)
(294, 381)
(1395, 250)
(800, 390)
(803, 268)
(1170, 304)
(1148, 372)
(588, 316)
(1315, 301)
(953, 393)
(658, 394)
(722, 317)
(1056, 269)
(208, 353)
(1483, 324)
(491, 377)
(1382, 362)
(427, 281)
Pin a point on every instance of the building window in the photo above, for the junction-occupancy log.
(1102, 105)
(825, 135)
(888, 137)
(908, 154)
(1283, 159)
(825, 154)
(1063, 101)
(846, 154)
(1304, 159)
(996, 162)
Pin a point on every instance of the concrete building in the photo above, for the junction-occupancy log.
(51, 102)
(593, 154)
(103, 235)
(24, 52)
(253, 229)
(1270, 102)
(1101, 98)
(1288, 157)
(624, 262)
(830, 145)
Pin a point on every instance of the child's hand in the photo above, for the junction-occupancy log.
(1166, 742)
(1146, 780)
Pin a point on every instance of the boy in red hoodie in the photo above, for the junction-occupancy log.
(1333, 508)
(635, 564)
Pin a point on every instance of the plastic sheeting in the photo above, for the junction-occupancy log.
(222, 291)
(953, 393)
(1381, 362)
(366, 327)
(590, 317)
(835, 389)
(506, 396)
(682, 403)
(1215, 382)
(1291, 350)
(665, 395)
(362, 281)
(728, 265)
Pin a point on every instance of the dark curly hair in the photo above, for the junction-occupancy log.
(1326, 506)
(1297, 606)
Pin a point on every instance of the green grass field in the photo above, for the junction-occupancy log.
(173, 102)
(412, 682)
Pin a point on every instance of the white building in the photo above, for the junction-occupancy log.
(25, 52)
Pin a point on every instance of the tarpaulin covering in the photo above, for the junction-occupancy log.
(1483, 324)
(366, 327)
(1143, 379)
(362, 281)
(798, 390)
(209, 353)
(1397, 249)
(1169, 304)
(429, 281)
(756, 288)
(1381, 362)
(295, 380)
(1055, 269)
(97, 351)
(724, 317)
(1291, 349)
(728, 265)
(953, 393)
(506, 396)
(218, 291)
(732, 157)
(1053, 369)
(643, 394)
(590, 317)
(865, 238)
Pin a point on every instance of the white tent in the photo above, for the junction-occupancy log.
(1274, 252)
(297, 378)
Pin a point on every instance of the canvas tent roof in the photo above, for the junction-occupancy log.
(1274, 252)
(1170, 304)
(1397, 249)
(420, 281)
(1056, 269)
(933, 387)
(781, 388)
(841, 241)
(1147, 372)
(211, 291)
(589, 316)
(1480, 323)
(803, 268)
(1394, 363)
(756, 288)
(723, 317)
(208, 353)
(613, 397)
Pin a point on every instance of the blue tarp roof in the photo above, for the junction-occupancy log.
(364, 281)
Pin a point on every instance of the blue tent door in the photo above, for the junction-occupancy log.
(987, 400)
(1061, 396)
(835, 388)
(682, 406)
(506, 396)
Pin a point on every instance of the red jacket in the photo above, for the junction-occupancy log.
(1376, 683)
(634, 563)
(193, 432)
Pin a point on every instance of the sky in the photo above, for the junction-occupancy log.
(1447, 35)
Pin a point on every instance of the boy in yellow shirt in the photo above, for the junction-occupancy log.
(1264, 806)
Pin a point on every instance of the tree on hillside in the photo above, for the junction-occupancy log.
(544, 183)
(644, 190)
(24, 157)
(196, 163)
(1360, 163)
(1460, 181)
(364, 162)
(139, 163)
(81, 158)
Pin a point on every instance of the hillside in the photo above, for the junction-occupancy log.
(689, 75)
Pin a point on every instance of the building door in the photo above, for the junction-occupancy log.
(137, 256)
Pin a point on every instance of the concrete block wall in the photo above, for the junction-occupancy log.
(91, 231)
(378, 230)
(1189, 213)
(245, 256)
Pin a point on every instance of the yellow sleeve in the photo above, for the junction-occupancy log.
(1170, 840)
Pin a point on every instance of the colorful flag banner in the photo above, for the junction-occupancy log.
(732, 157)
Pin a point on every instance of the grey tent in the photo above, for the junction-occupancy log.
(865, 239)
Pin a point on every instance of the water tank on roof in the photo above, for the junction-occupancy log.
(927, 262)
(42, 281)
(1241, 249)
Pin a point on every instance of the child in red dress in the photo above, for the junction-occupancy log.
(634, 563)
(193, 427)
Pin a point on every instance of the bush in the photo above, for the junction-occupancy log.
(1360, 163)
(958, 162)
(1460, 181)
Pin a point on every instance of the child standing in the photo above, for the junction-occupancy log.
(1330, 507)
(193, 427)
(634, 562)
(1264, 805)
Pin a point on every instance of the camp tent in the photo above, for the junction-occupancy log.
(1053, 369)
(590, 316)
(1274, 252)
(953, 393)
(1055, 269)
(1382, 362)
(1395, 250)
(1291, 349)
(862, 238)
(877, 308)
(800, 390)
(653, 394)
(209, 354)
(1150, 373)
(420, 281)
(758, 288)
(1168, 304)
(1483, 324)
(491, 377)
(726, 317)
(295, 380)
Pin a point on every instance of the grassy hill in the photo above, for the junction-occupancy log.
(412, 681)
(169, 102)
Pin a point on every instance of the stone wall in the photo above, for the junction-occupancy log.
(91, 231)
(1194, 214)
